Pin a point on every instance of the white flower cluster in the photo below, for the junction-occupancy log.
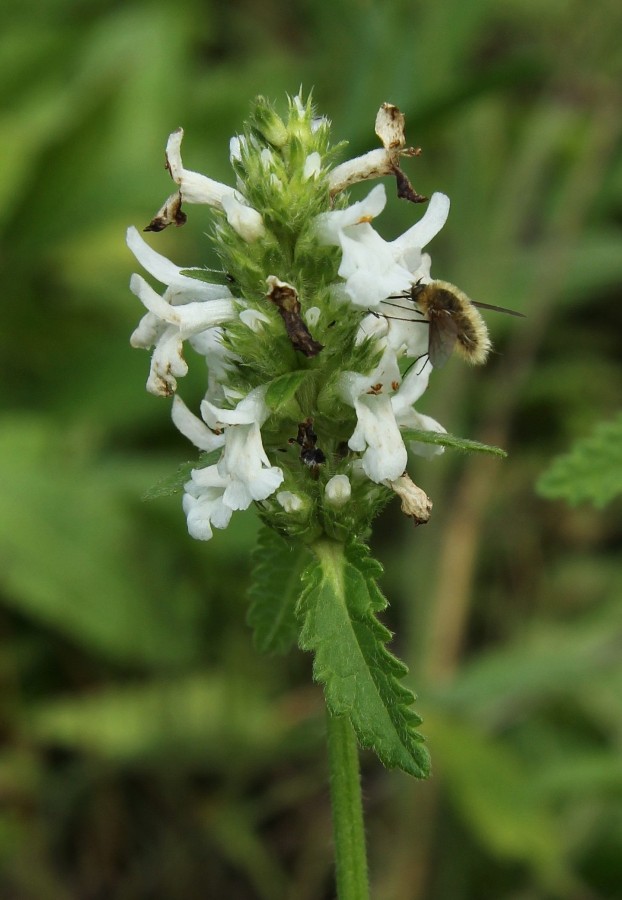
(371, 271)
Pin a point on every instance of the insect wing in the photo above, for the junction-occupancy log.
(503, 309)
(443, 336)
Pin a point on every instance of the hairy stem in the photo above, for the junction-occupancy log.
(347, 808)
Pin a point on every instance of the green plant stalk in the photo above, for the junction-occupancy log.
(344, 768)
(347, 809)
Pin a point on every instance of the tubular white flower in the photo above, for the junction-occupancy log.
(183, 288)
(203, 503)
(330, 225)
(244, 463)
(188, 308)
(377, 434)
(247, 467)
(193, 428)
(168, 327)
(193, 187)
(373, 268)
(190, 317)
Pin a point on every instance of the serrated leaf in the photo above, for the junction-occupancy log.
(442, 439)
(360, 676)
(282, 389)
(275, 591)
(592, 470)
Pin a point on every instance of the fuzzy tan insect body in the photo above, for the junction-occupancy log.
(455, 323)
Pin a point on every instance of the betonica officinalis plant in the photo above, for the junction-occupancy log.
(319, 337)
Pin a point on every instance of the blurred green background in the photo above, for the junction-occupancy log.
(146, 751)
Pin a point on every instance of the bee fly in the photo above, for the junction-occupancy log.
(453, 320)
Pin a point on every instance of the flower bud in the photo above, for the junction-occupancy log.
(268, 123)
(244, 219)
(338, 490)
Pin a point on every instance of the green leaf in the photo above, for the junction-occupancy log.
(198, 716)
(442, 439)
(71, 559)
(173, 483)
(282, 389)
(275, 590)
(493, 791)
(591, 471)
(360, 676)
(211, 276)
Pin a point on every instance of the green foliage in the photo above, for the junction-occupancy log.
(516, 108)
(275, 590)
(81, 580)
(338, 610)
(441, 439)
(591, 471)
(173, 482)
(281, 391)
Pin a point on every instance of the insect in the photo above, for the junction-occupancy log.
(310, 454)
(454, 322)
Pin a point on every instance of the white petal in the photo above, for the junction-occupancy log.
(338, 490)
(330, 225)
(156, 264)
(244, 219)
(194, 428)
(377, 430)
(195, 188)
(312, 166)
(413, 419)
(167, 364)
(291, 503)
(254, 319)
(422, 232)
(147, 331)
(252, 409)
(188, 317)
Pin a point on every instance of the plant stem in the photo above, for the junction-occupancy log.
(347, 807)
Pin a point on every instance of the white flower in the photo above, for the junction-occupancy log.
(197, 188)
(194, 428)
(373, 268)
(188, 307)
(377, 434)
(193, 187)
(242, 474)
(244, 461)
(203, 503)
(338, 490)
